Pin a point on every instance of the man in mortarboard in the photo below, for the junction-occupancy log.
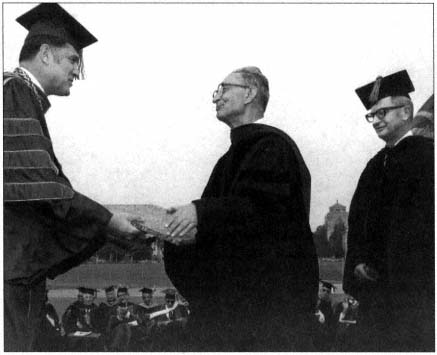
(389, 265)
(125, 328)
(106, 309)
(326, 330)
(170, 319)
(83, 318)
(147, 297)
(48, 226)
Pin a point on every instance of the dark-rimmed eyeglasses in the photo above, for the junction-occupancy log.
(222, 88)
(370, 117)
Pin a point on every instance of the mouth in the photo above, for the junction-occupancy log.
(379, 128)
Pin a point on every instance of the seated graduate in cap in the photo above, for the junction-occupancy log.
(49, 227)
(82, 317)
(325, 316)
(148, 305)
(389, 264)
(106, 309)
(171, 311)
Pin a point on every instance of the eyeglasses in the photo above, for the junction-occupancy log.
(221, 89)
(370, 117)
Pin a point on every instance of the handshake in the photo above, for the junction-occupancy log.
(177, 225)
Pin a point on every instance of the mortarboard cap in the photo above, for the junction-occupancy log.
(81, 289)
(170, 293)
(110, 288)
(146, 290)
(89, 291)
(397, 84)
(122, 289)
(327, 285)
(51, 19)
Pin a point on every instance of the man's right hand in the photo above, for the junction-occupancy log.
(120, 226)
(365, 273)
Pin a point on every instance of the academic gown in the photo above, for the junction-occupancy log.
(43, 237)
(391, 229)
(254, 261)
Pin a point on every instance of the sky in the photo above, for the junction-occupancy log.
(141, 128)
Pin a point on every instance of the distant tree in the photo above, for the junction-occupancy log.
(336, 240)
(111, 253)
(141, 254)
(320, 238)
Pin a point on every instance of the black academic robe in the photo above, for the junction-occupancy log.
(254, 261)
(45, 238)
(80, 317)
(49, 336)
(103, 314)
(391, 229)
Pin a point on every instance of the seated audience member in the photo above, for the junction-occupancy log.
(170, 320)
(123, 296)
(347, 316)
(171, 311)
(106, 309)
(147, 296)
(81, 317)
(124, 329)
(50, 332)
(81, 324)
(325, 333)
(147, 307)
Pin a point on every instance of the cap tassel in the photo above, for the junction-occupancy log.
(375, 91)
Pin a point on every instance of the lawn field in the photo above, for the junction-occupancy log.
(63, 289)
(101, 275)
(149, 274)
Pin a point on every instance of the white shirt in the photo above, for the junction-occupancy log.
(32, 77)
(409, 133)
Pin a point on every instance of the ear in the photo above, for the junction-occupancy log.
(251, 94)
(45, 53)
(408, 113)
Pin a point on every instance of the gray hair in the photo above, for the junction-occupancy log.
(403, 100)
(253, 76)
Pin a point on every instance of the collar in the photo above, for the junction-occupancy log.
(32, 77)
(408, 134)
(244, 132)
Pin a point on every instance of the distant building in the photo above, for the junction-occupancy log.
(337, 214)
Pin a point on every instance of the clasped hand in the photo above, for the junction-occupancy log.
(182, 225)
(120, 226)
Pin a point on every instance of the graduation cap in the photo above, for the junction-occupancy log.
(88, 291)
(170, 293)
(122, 290)
(327, 285)
(81, 289)
(397, 84)
(146, 290)
(110, 288)
(52, 20)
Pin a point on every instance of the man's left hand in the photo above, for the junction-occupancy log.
(183, 220)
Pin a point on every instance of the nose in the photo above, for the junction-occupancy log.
(376, 121)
